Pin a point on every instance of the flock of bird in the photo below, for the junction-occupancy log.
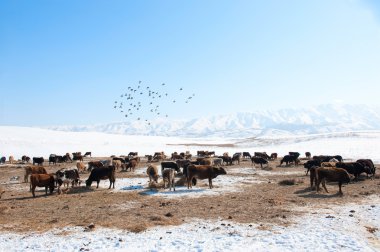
(144, 103)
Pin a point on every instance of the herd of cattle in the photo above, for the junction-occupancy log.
(206, 165)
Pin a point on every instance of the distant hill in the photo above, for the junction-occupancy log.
(317, 120)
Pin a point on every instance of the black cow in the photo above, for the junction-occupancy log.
(63, 159)
(327, 158)
(88, 153)
(102, 173)
(311, 163)
(246, 154)
(236, 157)
(2, 160)
(52, 159)
(169, 165)
(122, 160)
(226, 160)
(201, 153)
(296, 154)
(368, 166)
(25, 159)
(338, 157)
(289, 159)
(259, 160)
(353, 168)
(262, 155)
(132, 154)
(38, 160)
(308, 155)
(78, 157)
(67, 176)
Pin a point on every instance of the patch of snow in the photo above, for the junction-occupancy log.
(222, 184)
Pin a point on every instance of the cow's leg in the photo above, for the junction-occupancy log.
(210, 182)
(46, 188)
(311, 183)
(324, 184)
(340, 189)
(97, 183)
(33, 189)
(173, 184)
(317, 184)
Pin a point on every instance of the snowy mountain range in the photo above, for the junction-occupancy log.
(316, 120)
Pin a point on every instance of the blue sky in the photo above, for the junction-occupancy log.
(66, 62)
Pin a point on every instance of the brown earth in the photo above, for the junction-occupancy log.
(264, 204)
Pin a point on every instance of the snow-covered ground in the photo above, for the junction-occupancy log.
(345, 228)
(18, 141)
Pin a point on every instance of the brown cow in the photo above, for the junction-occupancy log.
(152, 173)
(203, 172)
(205, 161)
(94, 164)
(332, 174)
(313, 176)
(11, 159)
(33, 170)
(117, 164)
(273, 156)
(328, 164)
(131, 165)
(42, 180)
(81, 167)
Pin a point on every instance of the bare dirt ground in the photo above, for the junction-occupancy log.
(263, 203)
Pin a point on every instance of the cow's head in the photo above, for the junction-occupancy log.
(219, 170)
(155, 178)
(88, 182)
(348, 178)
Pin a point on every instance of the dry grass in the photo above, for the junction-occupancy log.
(3, 210)
(286, 182)
(289, 182)
(2, 191)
